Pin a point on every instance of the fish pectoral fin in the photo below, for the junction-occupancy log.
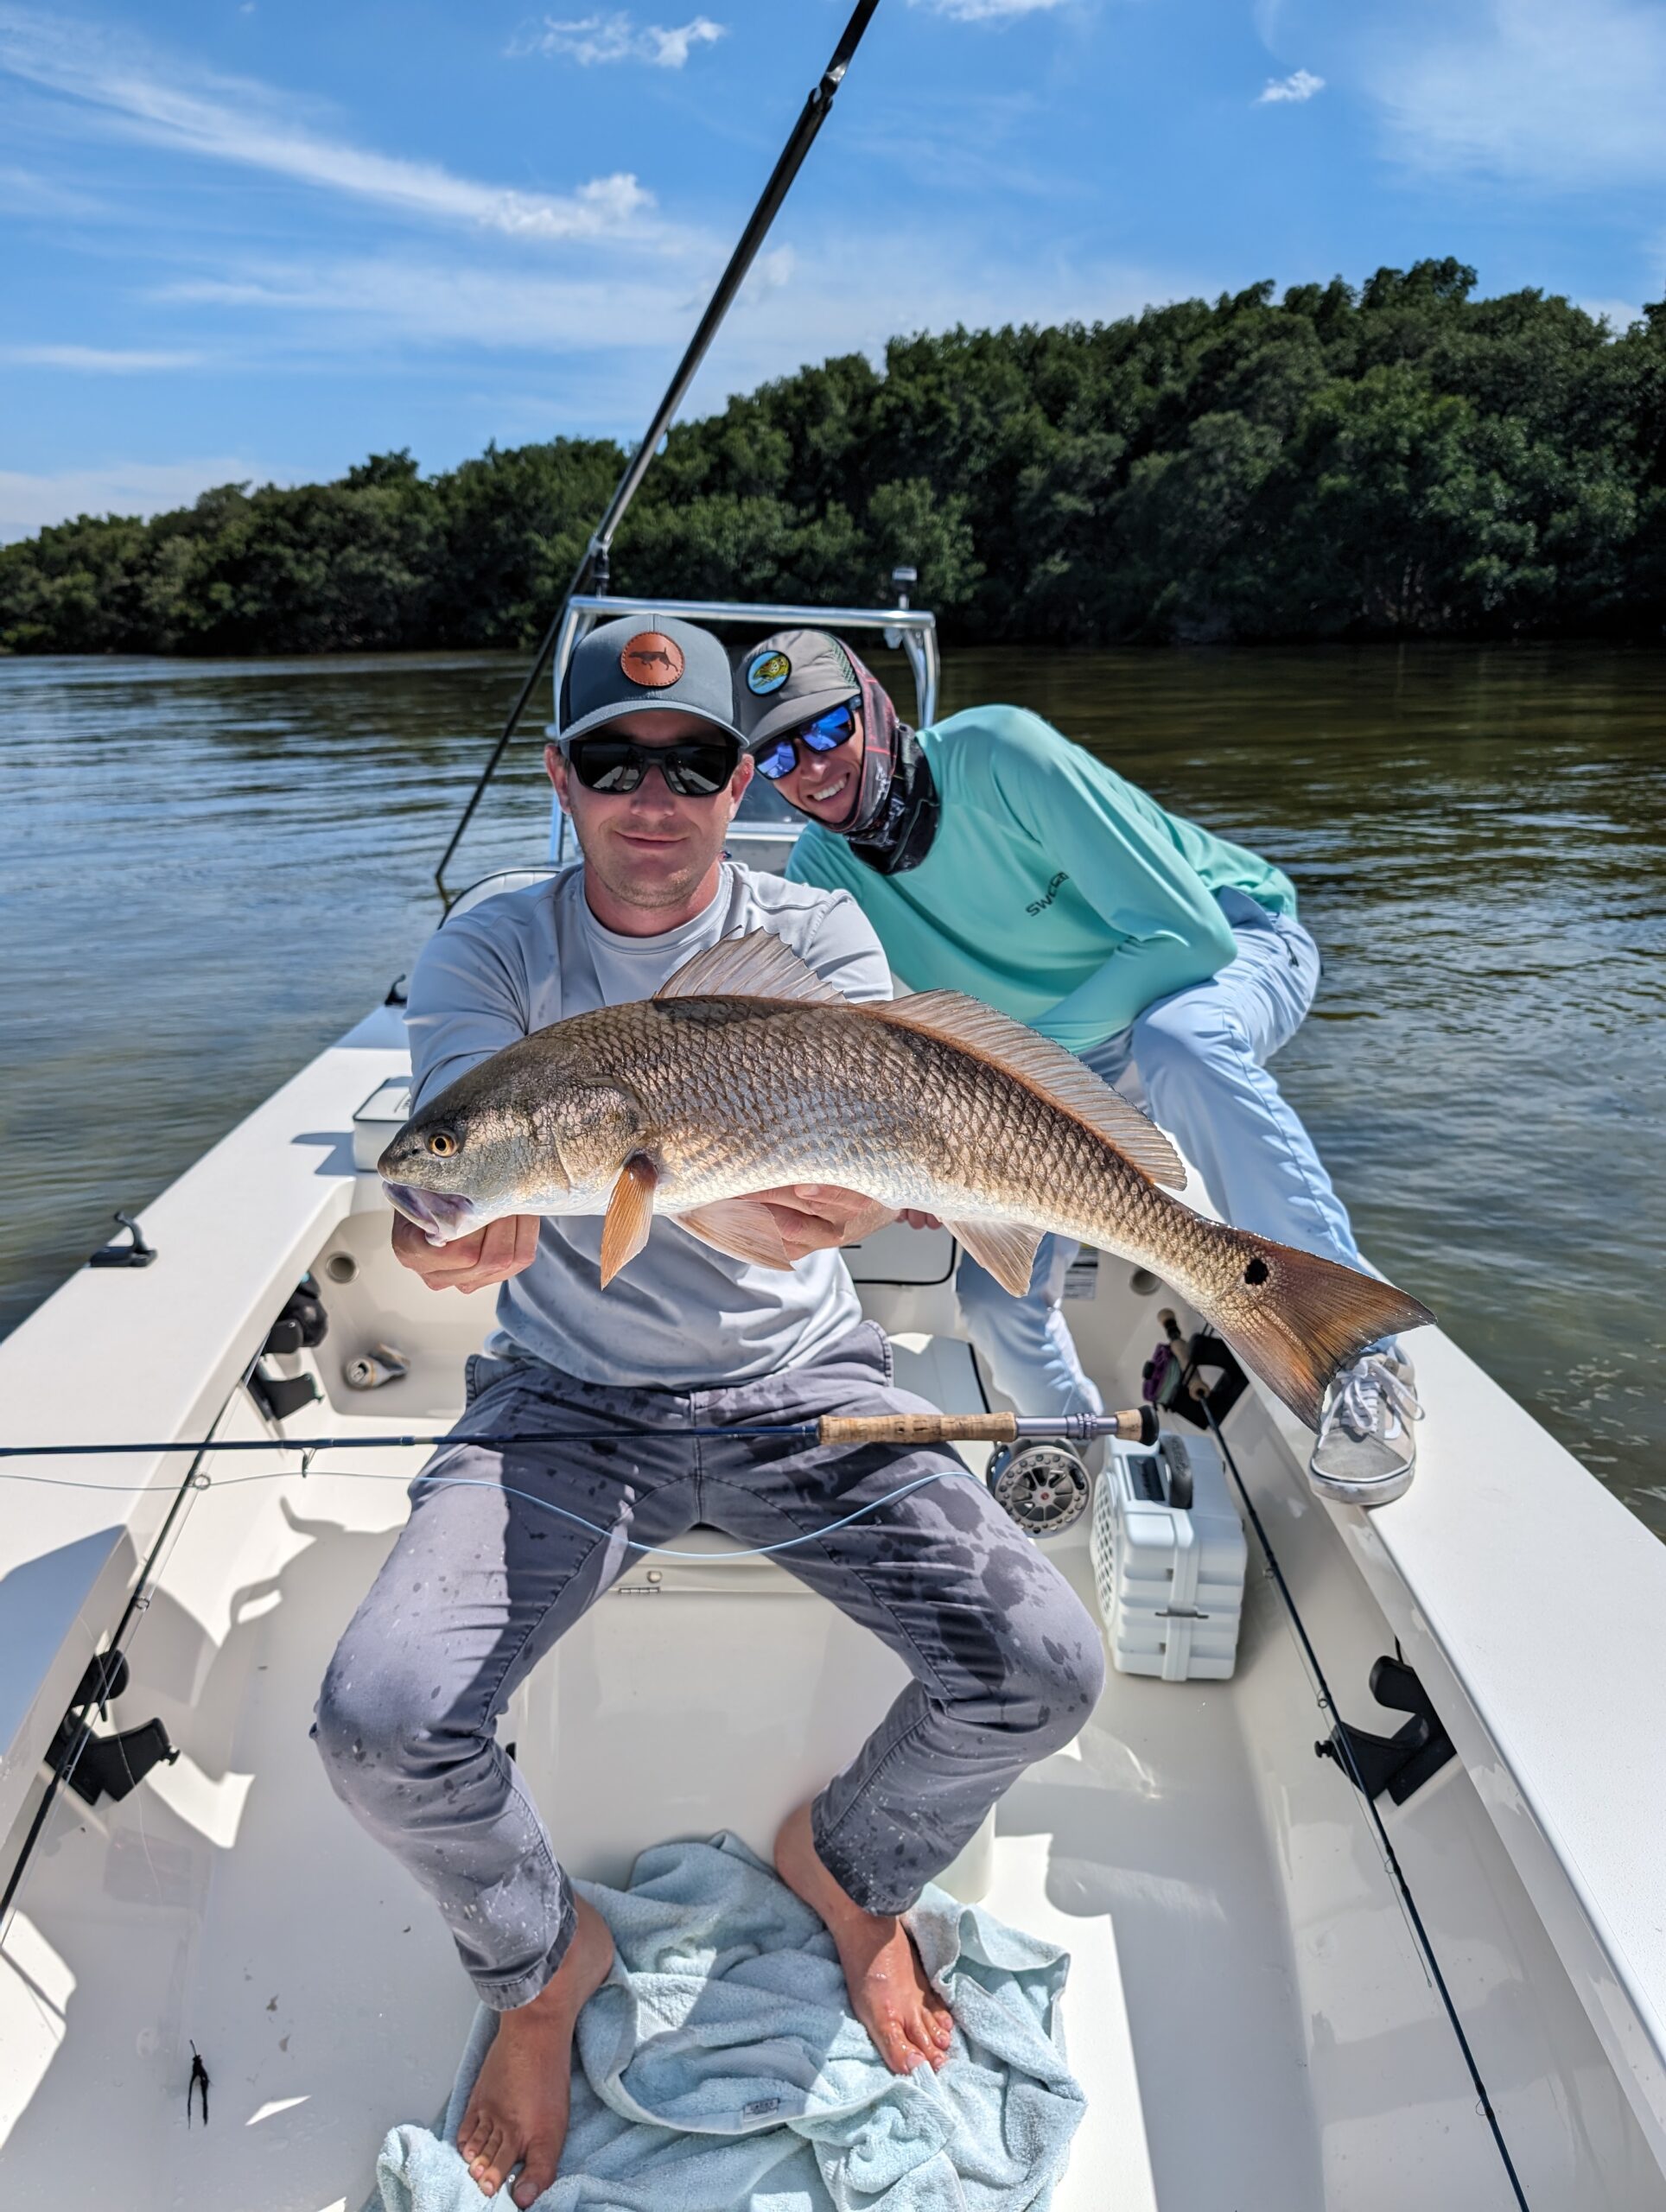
(740, 1227)
(1007, 1249)
(756, 966)
(629, 1218)
(1043, 1067)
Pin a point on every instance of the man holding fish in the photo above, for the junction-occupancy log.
(996, 858)
(642, 1323)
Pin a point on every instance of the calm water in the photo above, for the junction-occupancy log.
(207, 871)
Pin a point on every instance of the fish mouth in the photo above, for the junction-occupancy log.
(439, 1214)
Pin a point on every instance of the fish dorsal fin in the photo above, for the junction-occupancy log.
(1005, 1249)
(1045, 1067)
(756, 966)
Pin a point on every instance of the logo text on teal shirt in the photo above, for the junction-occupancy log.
(1040, 906)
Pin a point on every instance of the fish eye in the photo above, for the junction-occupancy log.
(442, 1144)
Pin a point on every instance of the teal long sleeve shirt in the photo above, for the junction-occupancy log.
(1054, 889)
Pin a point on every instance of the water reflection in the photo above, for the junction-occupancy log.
(211, 869)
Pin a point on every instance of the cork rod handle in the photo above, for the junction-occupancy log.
(918, 1428)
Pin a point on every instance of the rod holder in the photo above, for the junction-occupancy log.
(135, 1254)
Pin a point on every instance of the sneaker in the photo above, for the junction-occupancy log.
(1366, 1453)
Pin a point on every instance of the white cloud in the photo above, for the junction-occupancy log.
(99, 359)
(229, 120)
(355, 305)
(770, 272)
(987, 11)
(30, 503)
(1557, 94)
(26, 194)
(1619, 315)
(806, 300)
(614, 36)
(670, 48)
(1300, 85)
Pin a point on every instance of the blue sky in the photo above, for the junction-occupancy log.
(262, 238)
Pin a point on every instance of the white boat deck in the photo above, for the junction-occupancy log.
(1248, 2008)
(231, 1902)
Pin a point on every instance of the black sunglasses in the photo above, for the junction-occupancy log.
(778, 756)
(694, 767)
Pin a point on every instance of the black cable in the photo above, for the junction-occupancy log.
(1328, 1704)
(593, 563)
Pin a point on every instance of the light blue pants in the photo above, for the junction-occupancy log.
(1199, 1056)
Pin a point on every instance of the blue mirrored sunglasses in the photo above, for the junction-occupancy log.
(780, 756)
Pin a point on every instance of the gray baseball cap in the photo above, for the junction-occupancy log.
(647, 661)
(791, 678)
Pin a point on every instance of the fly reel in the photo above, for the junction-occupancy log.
(1044, 1487)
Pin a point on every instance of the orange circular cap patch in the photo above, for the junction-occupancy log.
(651, 658)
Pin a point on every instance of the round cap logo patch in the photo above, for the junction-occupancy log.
(652, 659)
(768, 673)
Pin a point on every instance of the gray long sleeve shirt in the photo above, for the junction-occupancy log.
(681, 1315)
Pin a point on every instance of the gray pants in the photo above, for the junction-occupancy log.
(1007, 1661)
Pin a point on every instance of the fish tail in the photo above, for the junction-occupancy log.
(1308, 1317)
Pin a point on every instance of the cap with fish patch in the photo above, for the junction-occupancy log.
(646, 661)
(790, 679)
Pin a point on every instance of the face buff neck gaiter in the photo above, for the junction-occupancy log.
(897, 805)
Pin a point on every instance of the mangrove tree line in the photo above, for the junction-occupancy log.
(1398, 460)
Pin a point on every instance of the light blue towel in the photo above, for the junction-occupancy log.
(720, 2067)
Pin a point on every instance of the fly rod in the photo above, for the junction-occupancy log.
(593, 566)
(1137, 1425)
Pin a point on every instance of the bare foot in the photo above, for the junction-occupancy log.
(889, 1992)
(519, 2111)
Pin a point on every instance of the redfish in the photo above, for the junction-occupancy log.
(747, 1072)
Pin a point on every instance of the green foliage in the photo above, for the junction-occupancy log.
(1404, 459)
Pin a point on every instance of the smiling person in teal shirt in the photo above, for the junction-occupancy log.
(994, 857)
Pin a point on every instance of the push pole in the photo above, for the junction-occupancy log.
(593, 563)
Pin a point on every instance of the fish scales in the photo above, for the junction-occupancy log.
(787, 1093)
(778, 1093)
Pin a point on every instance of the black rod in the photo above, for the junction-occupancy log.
(804, 1429)
(812, 116)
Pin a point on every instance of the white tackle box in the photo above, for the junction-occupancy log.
(1170, 1576)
